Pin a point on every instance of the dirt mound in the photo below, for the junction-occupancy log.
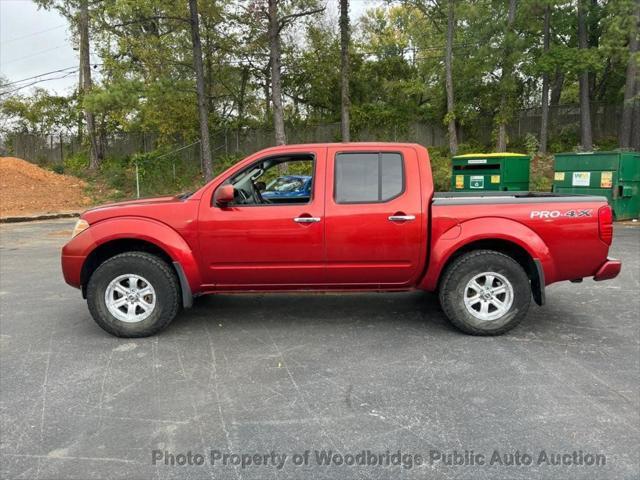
(26, 189)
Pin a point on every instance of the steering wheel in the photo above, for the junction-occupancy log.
(241, 196)
(258, 194)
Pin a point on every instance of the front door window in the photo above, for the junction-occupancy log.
(275, 181)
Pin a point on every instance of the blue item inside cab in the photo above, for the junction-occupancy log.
(288, 187)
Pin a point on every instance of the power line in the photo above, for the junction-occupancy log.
(65, 75)
(40, 81)
(34, 33)
(37, 76)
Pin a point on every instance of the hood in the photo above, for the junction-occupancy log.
(145, 207)
(138, 201)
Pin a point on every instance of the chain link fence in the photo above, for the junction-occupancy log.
(54, 149)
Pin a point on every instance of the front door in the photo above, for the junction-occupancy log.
(375, 224)
(272, 235)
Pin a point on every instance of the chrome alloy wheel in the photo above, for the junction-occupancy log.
(130, 298)
(488, 296)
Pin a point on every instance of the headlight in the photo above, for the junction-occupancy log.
(81, 226)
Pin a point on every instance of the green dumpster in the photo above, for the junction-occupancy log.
(490, 171)
(615, 175)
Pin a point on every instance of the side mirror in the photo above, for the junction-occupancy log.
(224, 195)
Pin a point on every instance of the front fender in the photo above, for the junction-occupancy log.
(486, 228)
(75, 253)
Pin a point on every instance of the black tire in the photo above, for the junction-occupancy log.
(160, 275)
(453, 289)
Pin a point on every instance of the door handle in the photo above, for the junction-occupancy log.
(306, 219)
(401, 218)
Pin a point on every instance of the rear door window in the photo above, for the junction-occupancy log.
(368, 177)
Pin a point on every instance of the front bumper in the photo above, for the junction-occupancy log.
(71, 269)
(609, 269)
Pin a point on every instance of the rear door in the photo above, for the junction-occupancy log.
(374, 219)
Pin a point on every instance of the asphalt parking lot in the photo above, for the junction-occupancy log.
(252, 375)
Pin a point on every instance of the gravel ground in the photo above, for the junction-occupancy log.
(289, 373)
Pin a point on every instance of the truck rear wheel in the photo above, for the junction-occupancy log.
(133, 294)
(485, 292)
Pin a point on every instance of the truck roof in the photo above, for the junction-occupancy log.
(346, 144)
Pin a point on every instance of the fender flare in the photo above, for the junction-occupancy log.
(152, 231)
(490, 228)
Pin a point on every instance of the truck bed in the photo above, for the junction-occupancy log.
(563, 229)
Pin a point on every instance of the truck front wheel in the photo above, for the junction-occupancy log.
(485, 292)
(133, 294)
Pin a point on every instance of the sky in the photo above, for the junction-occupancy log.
(35, 41)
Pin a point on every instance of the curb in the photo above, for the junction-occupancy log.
(34, 218)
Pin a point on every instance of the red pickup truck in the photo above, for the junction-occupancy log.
(370, 222)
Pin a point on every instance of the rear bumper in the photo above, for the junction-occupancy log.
(609, 269)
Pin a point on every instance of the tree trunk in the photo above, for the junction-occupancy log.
(586, 138)
(635, 130)
(554, 98)
(556, 90)
(244, 78)
(266, 89)
(506, 80)
(448, 66)
(276, 80)
(344, 70)
(630, 86)
(593, 39)
(544, 119)
(208, 68)
(80, 118)
(203, 114)
(85, 87)
(102, 137)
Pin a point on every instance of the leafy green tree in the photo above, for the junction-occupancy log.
(39, 113)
